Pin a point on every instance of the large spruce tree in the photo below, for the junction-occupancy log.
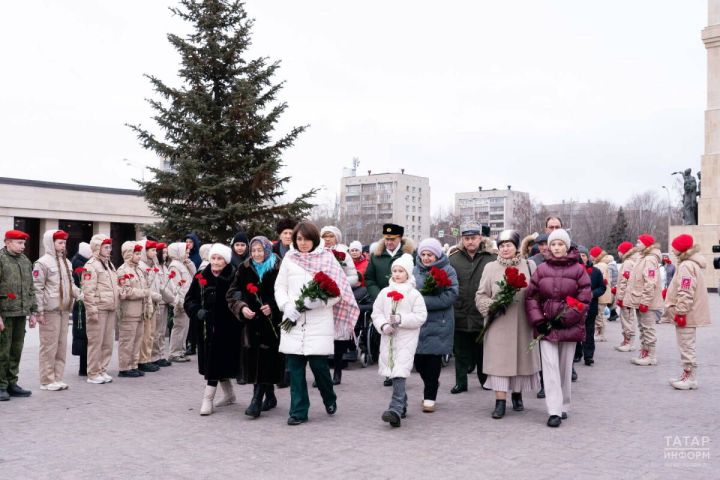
(618, 232)
(215, 131)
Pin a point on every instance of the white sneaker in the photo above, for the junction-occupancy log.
(53, 387)
(686, 381)
(428, 406)
(106, 377)
(63, 385)
(96, 380)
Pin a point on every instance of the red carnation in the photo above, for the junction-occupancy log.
(664, 293)
(626, 275)
(155, 269)
(574, 303)
(613, 290)
(202, 281)
(605, 282)
(148, 270)
(589, 270)
(199, 276)
(680, 320)
(126, 276)
(80, 270)
(11, 296)
(131, 275)
(172, 274)
(252, 288)
(339, 255)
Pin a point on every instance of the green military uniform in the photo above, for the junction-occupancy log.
(468, 320)
(377, 274)
(15, 278)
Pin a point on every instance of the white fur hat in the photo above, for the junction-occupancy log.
(405, 261)
(334, 230)
(356, 245)
(560, 234)
(222, 250)
(84, 250)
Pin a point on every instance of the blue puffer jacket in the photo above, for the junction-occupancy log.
(436, 335)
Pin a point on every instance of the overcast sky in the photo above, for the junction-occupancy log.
(561, 98)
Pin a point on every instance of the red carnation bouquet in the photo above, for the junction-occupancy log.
(253, 289)
(396, 297)
(321, 287)
(436, 280)
(512, 282)
(340, 257)
(571, 303)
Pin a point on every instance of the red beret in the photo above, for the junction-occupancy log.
(107, 241)
(646, 239)
(595, 251)
(137, 248)
(161, 245)
(682, 243)
(624, 247)
(16, 235)
(150, 244)
(60, 235)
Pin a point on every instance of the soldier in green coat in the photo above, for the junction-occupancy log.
(469, 260)
(17, 301)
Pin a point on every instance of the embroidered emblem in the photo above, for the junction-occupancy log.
(36, 273)
(685, 283)
(651, 273)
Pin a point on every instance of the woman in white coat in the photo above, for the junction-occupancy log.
(311, 338)
(332, 237)
(400, 332)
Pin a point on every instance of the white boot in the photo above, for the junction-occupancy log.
(645, 358)
(228, 394)
(207, 404)
(686, 381)
(625, 346)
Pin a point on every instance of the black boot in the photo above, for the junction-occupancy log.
(270, 401)
(573, 375)
(255, 407)
(541, 393)
(517, 402)
(15, 390)
(499, 411)
(82, 371)
(337, 376)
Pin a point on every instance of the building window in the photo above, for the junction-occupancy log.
(352, 189)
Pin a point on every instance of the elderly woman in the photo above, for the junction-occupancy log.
(310, 338)
(560, 323)
(218, 332)
(509, 365)
(251, 298)
(332, 237)
(436, 335)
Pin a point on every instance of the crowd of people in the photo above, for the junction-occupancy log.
(518, 311)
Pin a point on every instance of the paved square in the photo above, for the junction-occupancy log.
(626, 422)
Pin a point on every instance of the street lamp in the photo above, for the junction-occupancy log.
(667, 190)
(133, 164)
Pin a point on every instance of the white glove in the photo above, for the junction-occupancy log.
(291, 313)
(313, 304)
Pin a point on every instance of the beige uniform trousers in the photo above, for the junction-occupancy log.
(646, 322)
(159, 347)
(686, 344)
(131, 332)
(627, 322)
(146, 343)
(178, 336)
(100, 342)
(600, 317)
(53, 346)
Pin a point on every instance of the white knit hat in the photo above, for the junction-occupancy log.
(334, 230)
(405, 261)
(84, 250)
(356, 245)
(560, 234)
(222, 250)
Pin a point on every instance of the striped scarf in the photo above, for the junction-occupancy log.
(346, 311)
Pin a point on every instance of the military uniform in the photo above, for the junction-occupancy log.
(17, 301)
(136, 310)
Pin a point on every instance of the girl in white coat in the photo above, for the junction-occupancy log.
(400, 332)
(310, 340)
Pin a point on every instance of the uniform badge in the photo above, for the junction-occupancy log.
(36, 273)
(685, 283)
(651, 273)
(87, 276)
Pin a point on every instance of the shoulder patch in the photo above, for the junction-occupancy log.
(685, 283)
(651, 273)
(36, 273)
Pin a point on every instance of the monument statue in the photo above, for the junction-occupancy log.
(690, 194)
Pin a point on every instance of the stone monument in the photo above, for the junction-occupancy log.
(707, 230)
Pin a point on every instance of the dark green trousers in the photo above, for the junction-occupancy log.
(12, 340)
(467, 352)
(299, 399)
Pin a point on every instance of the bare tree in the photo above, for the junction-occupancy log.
(529, 216)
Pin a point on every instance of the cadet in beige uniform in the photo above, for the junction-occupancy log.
(181, 269)
(629, 256)
(101, 298)
(644, 293)
(687, 305)
(600, 260)
(148, 256)
(54, 291)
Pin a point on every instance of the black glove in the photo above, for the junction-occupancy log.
(201, 314)
(556, 323)
(543, 328)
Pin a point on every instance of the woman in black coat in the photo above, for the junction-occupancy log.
(252, 299)
(218, 331)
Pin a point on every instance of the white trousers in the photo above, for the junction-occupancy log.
(557, 361)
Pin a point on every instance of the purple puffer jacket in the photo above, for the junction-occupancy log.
(552, 282)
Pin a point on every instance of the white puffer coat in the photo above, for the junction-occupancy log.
(314, 332)
(413, 314)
